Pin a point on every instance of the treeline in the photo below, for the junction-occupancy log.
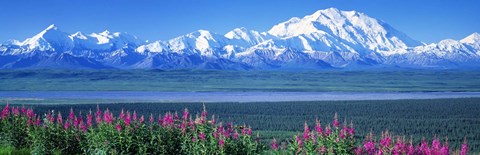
(457, 119)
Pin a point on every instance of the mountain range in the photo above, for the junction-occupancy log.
(326, 39)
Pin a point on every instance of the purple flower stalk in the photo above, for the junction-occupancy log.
(185, 115)
(122, 115)
(127, 119)
(118, 127)
(464, 149)
(71, 116)
(89, 119)
(306, 131)
(335, 121)
(274, 145)
(235, 135)
(249, 131)
(59, 119)
(299, 142)
(221, 142)
(328, 130)
(141, 119)
(151, 119)
(5, 112)
(201, 136)
(358, 151)
(135, 118)
(369, 146)
(318, 127)
(107, 117)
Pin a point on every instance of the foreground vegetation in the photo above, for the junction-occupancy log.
(103, 133)
(456, 119)
(128, 133)
(187, 81)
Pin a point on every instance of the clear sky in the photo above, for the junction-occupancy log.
(424, 20)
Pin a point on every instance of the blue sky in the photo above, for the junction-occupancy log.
(424, 20)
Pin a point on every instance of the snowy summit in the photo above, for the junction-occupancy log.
(326, 39)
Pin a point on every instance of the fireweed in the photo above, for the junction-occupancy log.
(340, 140)
(101, 132)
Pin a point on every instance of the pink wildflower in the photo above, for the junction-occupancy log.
(464, 149)
(118, 127)
(328, 130)
(410, 149)
(122, 115)
(318, 127)
(358, 151)
(127, 119)
(386, 141)
(215, 134)
(37, 121)
(59, 119)
(98, 116)
(151, 119)
(221, 142)
(213, 121)
(235, 135)
(5, 112)
(335, 121)
(71, 116)
(50, 117)
(274, 145)
(299, 142)
(83, 127)
(201, 136)
(141, 119)
(30, 113)
(89, 119)
(185, 115)
(135, 118)
(306, 131)
(369, 146)
(445, 150)
(66, 125)
(107, 117)
(15, 111)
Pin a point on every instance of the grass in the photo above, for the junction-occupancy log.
(198, 81)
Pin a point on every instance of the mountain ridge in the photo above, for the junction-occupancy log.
(326, 39)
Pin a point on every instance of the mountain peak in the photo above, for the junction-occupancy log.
(78, 35)
(472, 39)
(351, 27)
(237, 33)
(329, 10)
(50, 38)
(51, 27)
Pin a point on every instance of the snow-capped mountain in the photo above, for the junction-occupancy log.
(326, 39)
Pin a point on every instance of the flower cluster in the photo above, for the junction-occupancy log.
(399, 146)
(328, 140)
(102, 132)
(341, 140)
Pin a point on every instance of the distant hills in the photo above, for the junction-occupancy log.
(326, 39)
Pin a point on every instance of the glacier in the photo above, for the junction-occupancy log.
(326, 39)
